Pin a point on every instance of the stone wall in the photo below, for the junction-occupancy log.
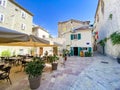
(106, 25)
(13, 18)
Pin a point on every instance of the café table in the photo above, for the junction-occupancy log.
(28, 60)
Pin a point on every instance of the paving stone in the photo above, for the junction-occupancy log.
(80, 73)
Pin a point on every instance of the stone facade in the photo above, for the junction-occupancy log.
(66, 26)
(13, 18)
(77, 35)
(17, 18)
(107, 19)
(83, 42)
(42, 33)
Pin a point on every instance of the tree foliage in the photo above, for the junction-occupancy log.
(115, 38)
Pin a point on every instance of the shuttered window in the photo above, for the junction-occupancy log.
(23, 14)
(1, 17)
(23, 26)
(3, 3)
(75, 36)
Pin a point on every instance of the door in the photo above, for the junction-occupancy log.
(55, 50)
(75, 51)
(41, 51)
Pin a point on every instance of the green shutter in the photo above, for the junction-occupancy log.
(71, 51)
(79, 49)
(79, 36)
(90, 49)
(71, 36)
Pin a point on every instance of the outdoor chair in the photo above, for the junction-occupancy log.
(6, 73)
(1, 67)
(11, 61)
(2, 59)
(23, 64)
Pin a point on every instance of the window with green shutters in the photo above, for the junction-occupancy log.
(79, 36)
(75, 36)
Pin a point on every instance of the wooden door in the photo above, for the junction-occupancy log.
(55, 50)
(41, 51)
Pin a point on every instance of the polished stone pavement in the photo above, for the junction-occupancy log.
(80, 73)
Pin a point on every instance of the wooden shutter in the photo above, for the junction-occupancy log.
(79, 36)
(72, 36)
(90, 49)
(71, 51)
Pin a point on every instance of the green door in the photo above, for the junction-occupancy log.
(71, 51)
(90, 49)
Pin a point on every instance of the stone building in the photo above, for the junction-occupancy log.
(106, 22)
(67, 26)
(15, 17)
(77, 35)
(42, 33)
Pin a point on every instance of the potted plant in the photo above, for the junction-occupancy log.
(88, 54)
(34, 70)
(53, 60)
(102, 43)
(115, 38)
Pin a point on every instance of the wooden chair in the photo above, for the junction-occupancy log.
(23, 65)
(6, 73)
(1, 67)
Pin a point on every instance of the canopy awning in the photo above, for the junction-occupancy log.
(13, 38)
(7, 35)
(27, 44)
(38, 39)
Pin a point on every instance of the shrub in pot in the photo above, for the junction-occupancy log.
(88, 54)
(115, 38)
(53, 60)
(34, 70)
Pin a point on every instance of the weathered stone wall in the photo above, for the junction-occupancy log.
(106, 25)
(13, 18)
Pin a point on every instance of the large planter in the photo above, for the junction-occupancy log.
(88, 54)
(34, 82)
(118, 60)
(54, 66)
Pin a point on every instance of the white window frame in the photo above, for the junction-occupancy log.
(23, 26)
(2, 16)
(23, 14)
(75, 36)
(3, 3)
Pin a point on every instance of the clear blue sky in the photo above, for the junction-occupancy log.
(47, 13)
